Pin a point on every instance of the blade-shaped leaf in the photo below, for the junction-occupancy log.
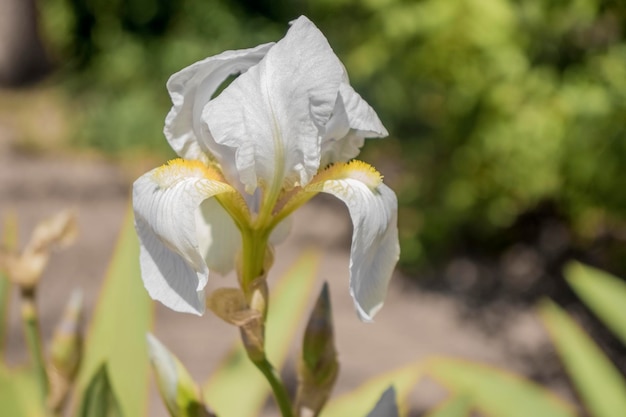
(494, 391)
(9, 242)
(19, 393)
(237, 374)
(117, 335)
(603, 293)
(458, 406)
(387, 405)
(363, 399)
(600, 385)
(99, 399)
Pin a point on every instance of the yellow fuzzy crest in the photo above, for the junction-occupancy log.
(356, 170)
(177, 169)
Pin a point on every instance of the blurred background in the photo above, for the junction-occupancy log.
(507, 121)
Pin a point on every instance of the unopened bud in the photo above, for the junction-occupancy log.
(66, 346)
(318, 367)
(66, 351)
(179, 391)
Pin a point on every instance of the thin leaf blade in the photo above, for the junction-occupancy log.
(457, 406)
(9, 242)
(99, 399)
(603, 293)
(387, 405)
(119, 326)
(600, 385)
(18, 388)
(492, 390)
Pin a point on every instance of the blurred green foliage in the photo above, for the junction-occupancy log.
(495, 106)
(115, 57)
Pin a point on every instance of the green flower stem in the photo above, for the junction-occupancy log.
(253, 264)
(254, 246)
(33, 340)
(280, 392)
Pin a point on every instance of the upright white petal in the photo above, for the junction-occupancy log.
(191, 89)
(165, 202)
(353, 120)
(375, 248)
(272, 114)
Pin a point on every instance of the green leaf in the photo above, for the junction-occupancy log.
(603, 293)
(9, 242)
(600, 385)
(497, 392)
(387, 405)
(363, 399)
(99, 399)
(458, 406)
(237, 376)
(118, 330)
(19, 393)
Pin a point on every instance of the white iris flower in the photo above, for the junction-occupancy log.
(281, 132)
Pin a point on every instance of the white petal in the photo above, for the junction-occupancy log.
(272, 113)
(353, 120)
(218, 236)
(190, 90)
(165, 201)
(361, 116)
(375, 248)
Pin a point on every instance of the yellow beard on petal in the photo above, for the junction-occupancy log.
(356, 170)
(177, 169)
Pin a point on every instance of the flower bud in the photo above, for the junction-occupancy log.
(66, 346)
(179, 391)
(66, 351)
(318, 367)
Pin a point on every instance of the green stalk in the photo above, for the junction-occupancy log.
(34, 342)
(278, 388)
(254, 247)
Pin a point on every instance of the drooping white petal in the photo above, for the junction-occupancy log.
(190, 90)
(272, 113)
(352, 121)
(165, 202)
(375, 248)
(218, 236)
